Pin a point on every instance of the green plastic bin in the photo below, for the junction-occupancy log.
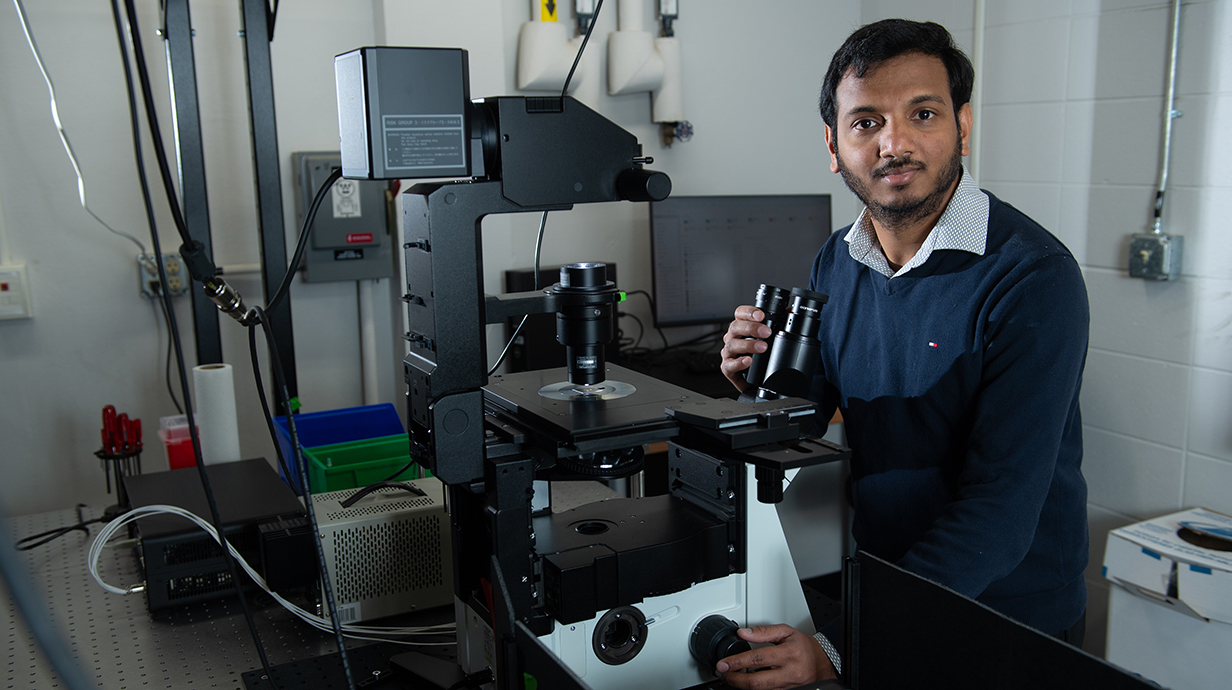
(358, 463)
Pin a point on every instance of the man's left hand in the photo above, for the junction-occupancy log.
(795, 659)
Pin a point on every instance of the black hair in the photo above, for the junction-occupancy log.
(875, 43)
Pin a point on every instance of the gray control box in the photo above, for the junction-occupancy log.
(350, 237)
(404, 112)
(1155, 257)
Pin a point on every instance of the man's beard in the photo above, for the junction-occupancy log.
(908, 211)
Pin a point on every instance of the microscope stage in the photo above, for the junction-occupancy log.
(573, 420)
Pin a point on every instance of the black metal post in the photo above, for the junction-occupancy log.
(186, 124)
(256, 27)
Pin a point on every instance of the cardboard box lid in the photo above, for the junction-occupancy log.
(1152, 557)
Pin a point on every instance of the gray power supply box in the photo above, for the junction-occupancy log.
(389, 553)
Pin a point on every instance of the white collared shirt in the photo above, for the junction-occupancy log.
(963, 226)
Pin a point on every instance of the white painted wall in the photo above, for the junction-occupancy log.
(1073, 94)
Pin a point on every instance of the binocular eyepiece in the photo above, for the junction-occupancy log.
(786, 368)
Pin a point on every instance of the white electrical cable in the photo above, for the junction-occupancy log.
(358, 632)
(55, 117)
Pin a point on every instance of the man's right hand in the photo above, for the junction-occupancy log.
(738, 349)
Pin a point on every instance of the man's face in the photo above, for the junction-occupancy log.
(898, 141)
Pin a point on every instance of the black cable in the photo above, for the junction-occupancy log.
(54, 534)
(170, 313)
(593, 18)
(543, 221)
(500, 360)
(394, 476)
(280, 382)
(173, 202)
(279, 295)
(273, 19)
(302, 243)
(151, 116)
(701, 338)
(269, 420)
(641, 329)
(355, 497)
(653, 310)
(162, 300)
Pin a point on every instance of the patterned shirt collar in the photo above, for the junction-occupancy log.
(962, 226)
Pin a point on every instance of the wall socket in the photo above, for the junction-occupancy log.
(177, 277)
(1155, 257)
(14, 293)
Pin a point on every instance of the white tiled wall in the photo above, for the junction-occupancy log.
(1072, 100)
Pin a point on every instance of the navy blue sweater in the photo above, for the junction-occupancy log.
(958, 382)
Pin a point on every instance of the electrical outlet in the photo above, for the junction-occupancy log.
(1155, 257)
(14, 293)
(147, 273)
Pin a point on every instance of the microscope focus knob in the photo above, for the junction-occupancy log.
(715, 638)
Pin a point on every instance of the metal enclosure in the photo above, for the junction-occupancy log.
(350, 237)
(388, 553)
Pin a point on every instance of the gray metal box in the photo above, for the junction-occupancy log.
(403, 112)
(350, 235)
(1155, 257)
(389, 553)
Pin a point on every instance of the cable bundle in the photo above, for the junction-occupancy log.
(357, 632)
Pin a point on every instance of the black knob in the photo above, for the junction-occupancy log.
(715, 638)
(638, 184)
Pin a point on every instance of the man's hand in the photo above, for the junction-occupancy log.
(737, 346)
(795, 659)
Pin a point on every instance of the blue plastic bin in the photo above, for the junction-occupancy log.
(330, 427)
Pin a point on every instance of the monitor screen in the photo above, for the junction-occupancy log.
(710, 253)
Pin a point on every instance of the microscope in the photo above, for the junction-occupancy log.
(617, 593)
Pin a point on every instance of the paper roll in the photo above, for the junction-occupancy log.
(214, 389)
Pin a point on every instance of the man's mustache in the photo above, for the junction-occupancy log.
(898, 165)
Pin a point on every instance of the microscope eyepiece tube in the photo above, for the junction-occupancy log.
(773, 301)
(794, 352)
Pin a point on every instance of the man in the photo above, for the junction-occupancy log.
(953, 342)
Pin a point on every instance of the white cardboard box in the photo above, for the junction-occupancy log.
(1152, 559)
(1170, 608)
(1152, 639)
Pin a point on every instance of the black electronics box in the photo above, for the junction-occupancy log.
(183, 564)
(536, 346)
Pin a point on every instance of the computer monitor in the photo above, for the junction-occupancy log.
(710, 253)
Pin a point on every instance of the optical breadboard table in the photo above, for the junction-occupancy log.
(205, 645)
(120, 644)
